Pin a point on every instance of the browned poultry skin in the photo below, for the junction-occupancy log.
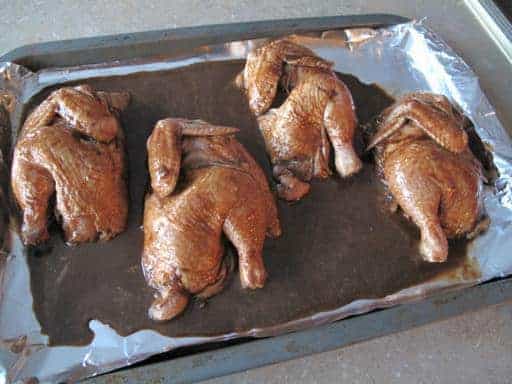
(423, 153)
(71, 145)
(319, 112)
(221, 189)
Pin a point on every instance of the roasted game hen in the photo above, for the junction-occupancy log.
(72, 146)
(423, 154)
(204, 183)
(318, 112)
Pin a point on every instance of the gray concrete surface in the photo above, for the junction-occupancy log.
(30, 21)
(475, 348)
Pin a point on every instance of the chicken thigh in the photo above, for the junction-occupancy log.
(318, 112)
(204, 183)
(423, 154)
(72, 146)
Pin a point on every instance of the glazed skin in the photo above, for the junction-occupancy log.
(318, 112)
(204, 183)
(423, 154)
(72, 146)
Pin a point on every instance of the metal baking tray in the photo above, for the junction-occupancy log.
(221, 358)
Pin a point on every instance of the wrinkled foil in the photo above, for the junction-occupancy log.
(403, 58)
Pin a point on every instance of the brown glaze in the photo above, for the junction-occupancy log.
(328, 255)
(430, 170)
(222, 191)
(85, 172)
(319, 112)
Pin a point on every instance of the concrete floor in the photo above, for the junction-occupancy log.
(475, 348)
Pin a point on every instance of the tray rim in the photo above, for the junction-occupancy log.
(143, 44)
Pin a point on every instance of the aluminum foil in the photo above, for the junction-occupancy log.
(401, 59)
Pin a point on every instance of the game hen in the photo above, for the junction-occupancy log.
(204, 184)
(71, 147)
(423, 155)
(318, 112)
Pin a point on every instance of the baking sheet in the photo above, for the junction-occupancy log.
(355, 256)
